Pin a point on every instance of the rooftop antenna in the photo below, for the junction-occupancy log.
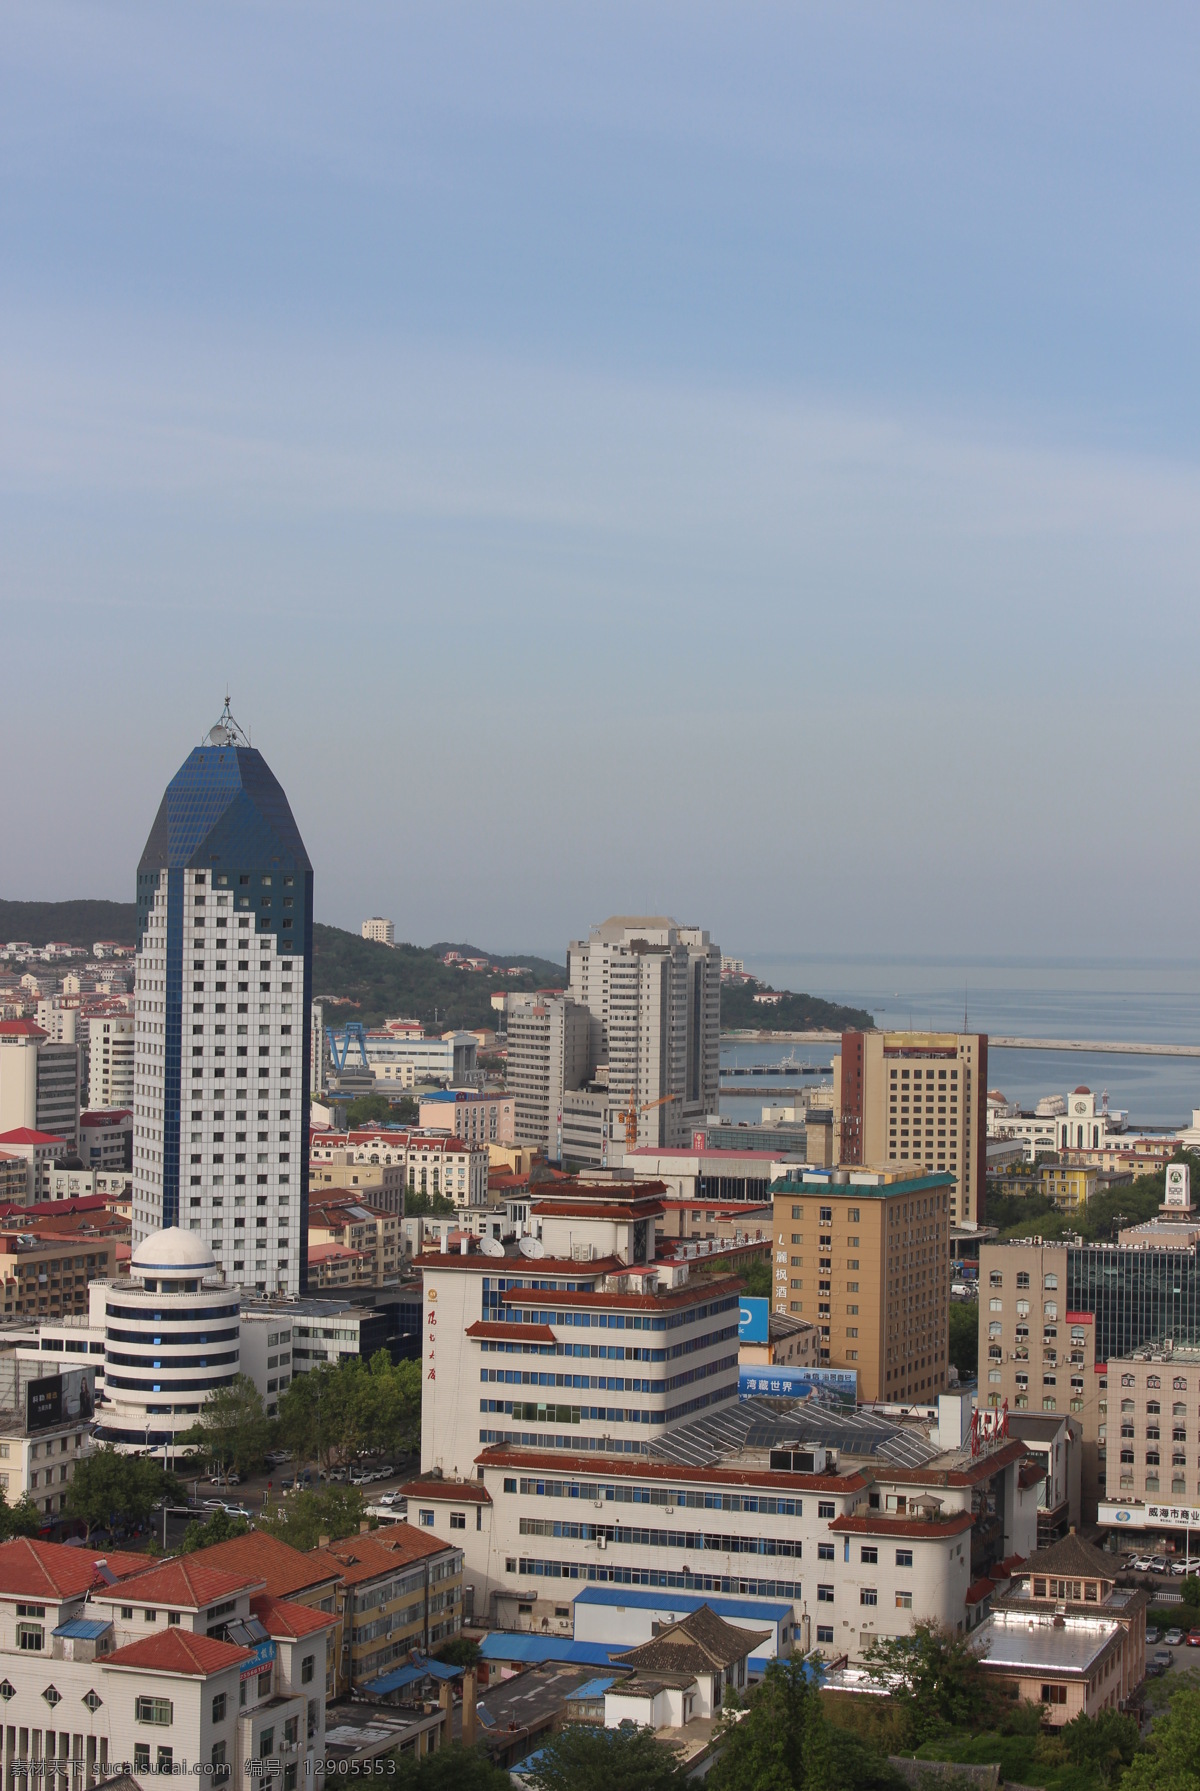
(226, 731)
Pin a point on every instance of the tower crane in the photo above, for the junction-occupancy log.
(631, 1114)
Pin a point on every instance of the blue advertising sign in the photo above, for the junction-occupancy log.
(754, 1318)
(828, 1386)
(262, 1656)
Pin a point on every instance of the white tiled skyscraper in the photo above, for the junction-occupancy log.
(224, 986)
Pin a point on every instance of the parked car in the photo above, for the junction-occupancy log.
(1152, 1638)
(1142, 1564)
(1158, 1564)
(393, 1501)
(1162, 1657)
(1173, 1638)
(1194, 1638)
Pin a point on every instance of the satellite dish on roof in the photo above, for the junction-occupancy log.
(491, 1246)
(531, 1247)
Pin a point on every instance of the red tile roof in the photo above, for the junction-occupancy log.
(290, 1621)
(188, 1584)
(22, 1029)
(31, 1568)
(26, 1135)
(179, 1651)
(978, 1590)
(503, 1333)
(878, 1523)
(452, 1492)
(608, 1467)
(369, 1556)
(282, 1569)
(593, 1209)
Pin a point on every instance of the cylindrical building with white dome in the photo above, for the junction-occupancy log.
(171, 1335)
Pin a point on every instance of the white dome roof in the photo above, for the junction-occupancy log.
(174, 1249)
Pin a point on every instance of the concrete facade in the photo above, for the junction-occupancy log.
(916, 1098)
(866, 1259)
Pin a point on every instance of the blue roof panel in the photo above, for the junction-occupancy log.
(84, 1629)
(769, 1609)
(532, 1649)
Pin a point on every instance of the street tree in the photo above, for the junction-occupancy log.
(109, 1488)
(305, 1517)
(220, 1526)
(233, 1428)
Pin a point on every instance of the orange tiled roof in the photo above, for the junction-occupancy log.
(283, 1570)
(32, 1568)
(188, 1584)
(179, 1651)
(279, 1618)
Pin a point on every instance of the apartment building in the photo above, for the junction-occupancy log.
(311, 1579)
(347, 1221)
(334, 1173)
(1055, 1316)
(652, 990)
(1069, 1186)
(471, 1115)
(920, 1099)
(106, 1139)
(548, 1057)
(864, 1255)
(382, 931)
(110, 1060)
(1152, 1434)
(46, 1275)
(400, 1588)
(39, 1152)
(428, 1163)
(178, 1662)
(39, 1082)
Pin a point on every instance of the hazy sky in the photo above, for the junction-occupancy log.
(738, 461)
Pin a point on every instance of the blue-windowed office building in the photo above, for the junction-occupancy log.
(224, 986)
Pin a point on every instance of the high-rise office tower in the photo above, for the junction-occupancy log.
(917, 1098)
(224, 987)
(653, 990)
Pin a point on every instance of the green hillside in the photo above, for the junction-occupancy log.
(373, 982)
(795, 1013)
(75, 923)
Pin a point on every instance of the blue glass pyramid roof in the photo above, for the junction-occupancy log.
(224, 806)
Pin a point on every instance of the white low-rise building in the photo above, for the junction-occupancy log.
(177, 1668)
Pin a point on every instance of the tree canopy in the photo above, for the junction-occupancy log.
(1170, 1759)
(784, 1741)
(233, 1428)
(109, 1489)
(582, 1758)
(339, 1410)
(964, 1337)
(218, 1527)
(304, 1517)
(453, 1768)
(934, 1678)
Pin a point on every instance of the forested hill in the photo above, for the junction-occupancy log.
(795, 1013)
(74, 923)
(372, 982)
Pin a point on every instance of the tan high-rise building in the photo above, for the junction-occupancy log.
(864, 1255)
(916, 1098)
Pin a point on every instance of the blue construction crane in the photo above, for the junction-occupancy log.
(353, 1032)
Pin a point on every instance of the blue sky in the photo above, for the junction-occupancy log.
(738, 461)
